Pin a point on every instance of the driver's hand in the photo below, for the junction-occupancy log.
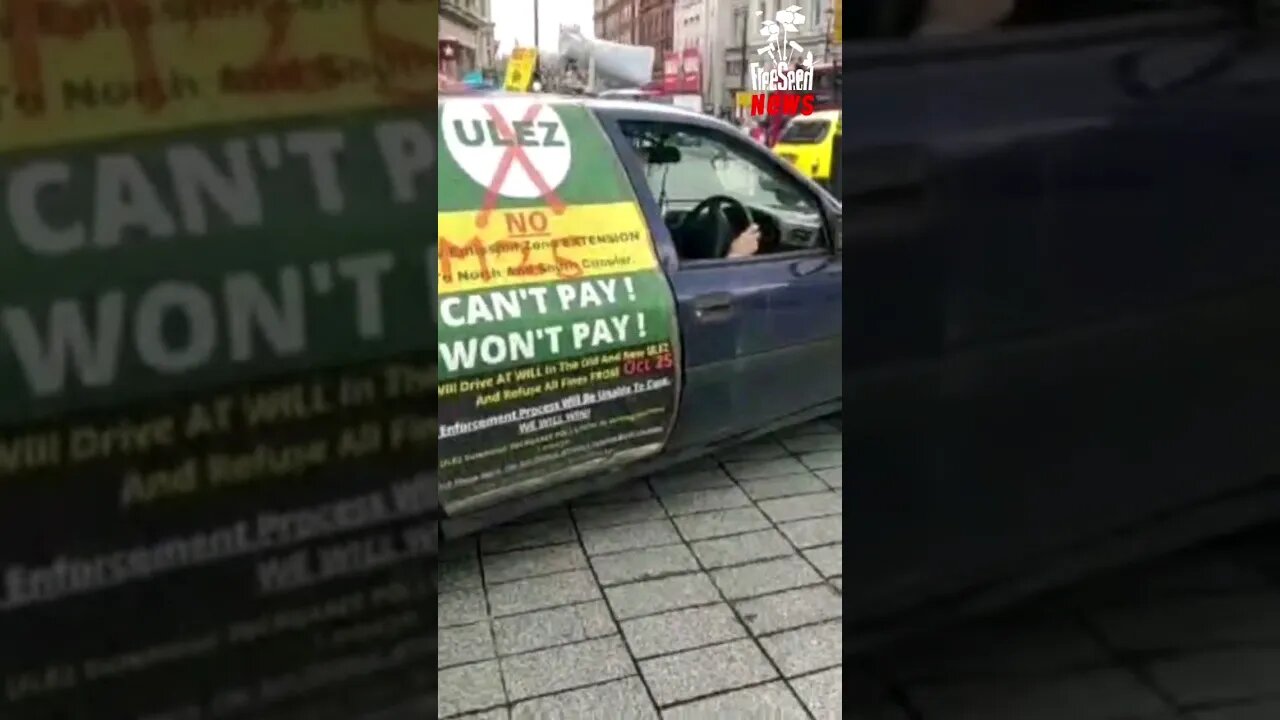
(746, 244)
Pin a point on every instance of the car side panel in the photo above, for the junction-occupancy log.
(778, 350)
(1100, 358)
(779, 353)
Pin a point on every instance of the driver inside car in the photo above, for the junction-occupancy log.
(716, 201)
(747, 243)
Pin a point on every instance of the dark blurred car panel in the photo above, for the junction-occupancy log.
(1061, 344)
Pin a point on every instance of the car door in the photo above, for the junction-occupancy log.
(760, 336)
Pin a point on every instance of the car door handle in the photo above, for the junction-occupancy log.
(716, 306)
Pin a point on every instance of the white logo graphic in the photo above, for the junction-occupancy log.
(791, 67)
(516, 148)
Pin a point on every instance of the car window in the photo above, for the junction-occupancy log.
(710, 165)
(803, 131)
(685, 165)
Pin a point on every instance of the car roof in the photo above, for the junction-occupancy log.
(590, 103)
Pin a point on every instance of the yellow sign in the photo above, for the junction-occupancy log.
(837, 28)
(148, 66)
(520, 67)
(743, 98)
(539, 245)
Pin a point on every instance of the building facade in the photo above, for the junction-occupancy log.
(690, 29)
(656, 29)
(467, 27)
(615, 20)
(739, 21)
(696, 26)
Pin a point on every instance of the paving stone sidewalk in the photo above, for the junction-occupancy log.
(713, 591)
(1195, 636)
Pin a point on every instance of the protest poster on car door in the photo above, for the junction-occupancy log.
(558, 347)
(216, 444)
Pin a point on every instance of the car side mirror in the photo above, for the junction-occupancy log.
(662, 155)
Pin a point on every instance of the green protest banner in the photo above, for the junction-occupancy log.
(235, 255)
(558, 347)
(217, 442)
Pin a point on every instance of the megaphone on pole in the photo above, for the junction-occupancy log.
(613, 63)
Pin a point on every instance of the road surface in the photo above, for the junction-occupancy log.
(716, 592)
(1195, 636)
(711, 591)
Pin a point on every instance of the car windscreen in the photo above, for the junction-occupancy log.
(804, 132)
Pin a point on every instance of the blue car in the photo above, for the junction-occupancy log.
(650, 286)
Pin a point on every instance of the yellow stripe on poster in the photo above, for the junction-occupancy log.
(76, 70)
(537, 245)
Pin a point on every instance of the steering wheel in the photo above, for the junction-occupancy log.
(710, 227)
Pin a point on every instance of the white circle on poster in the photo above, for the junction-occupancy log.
(480, 144)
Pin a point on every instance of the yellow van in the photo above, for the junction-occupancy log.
(812, 144)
